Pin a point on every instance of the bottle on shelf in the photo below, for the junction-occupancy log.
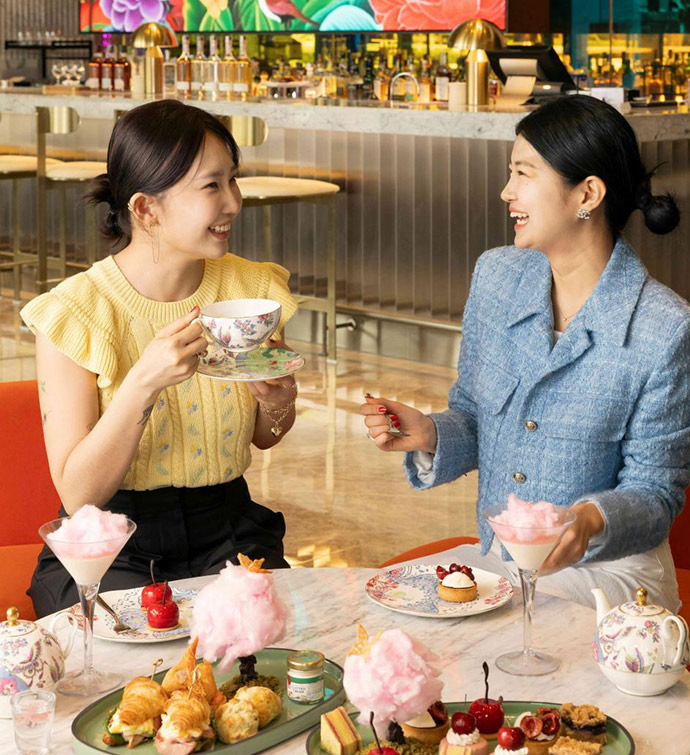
(226, 70)
(169, 65)
(212, 78)
(198, 73)
(107, 69)
(411, 93)
(382, 82)
(122, 72)
(93, 72)
(442, 79)
(244, 78)
(426, 88)
(183, 70)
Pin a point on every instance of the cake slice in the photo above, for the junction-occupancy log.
(570, 746)
(338, 734)
(584, 722)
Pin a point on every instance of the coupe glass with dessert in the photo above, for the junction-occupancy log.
(529, 532)
(86, 544)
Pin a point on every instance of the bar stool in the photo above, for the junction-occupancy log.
(62, 120)
(15, 168)
(266, 191)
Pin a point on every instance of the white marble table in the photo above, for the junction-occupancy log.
(327, 604)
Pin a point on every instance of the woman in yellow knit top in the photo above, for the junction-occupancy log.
(129, 425)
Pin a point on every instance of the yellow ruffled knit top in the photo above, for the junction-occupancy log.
(200, 431)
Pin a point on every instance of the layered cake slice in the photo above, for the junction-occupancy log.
(338, 734)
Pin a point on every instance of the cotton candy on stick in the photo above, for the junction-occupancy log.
(238, 614)
(391, 677)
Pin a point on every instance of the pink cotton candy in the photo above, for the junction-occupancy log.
(525, 521)
(237, 614)
(397, 679)
(89, 532)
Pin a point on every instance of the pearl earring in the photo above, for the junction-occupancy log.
(584, 214)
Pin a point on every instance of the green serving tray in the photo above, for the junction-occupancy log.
(619, 740)
(87, 727)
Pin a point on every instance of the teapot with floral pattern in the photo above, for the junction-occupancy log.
(30, 656)
(642, 648)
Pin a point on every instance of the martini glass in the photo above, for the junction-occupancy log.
(529, 546)
(86, 562)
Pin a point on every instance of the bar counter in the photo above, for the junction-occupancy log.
(420, 201)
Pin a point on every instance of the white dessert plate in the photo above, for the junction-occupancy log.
(127, 604)
(260, 364)
(414, 590)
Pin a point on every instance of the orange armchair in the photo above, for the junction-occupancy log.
(680, 548)
(28, 497)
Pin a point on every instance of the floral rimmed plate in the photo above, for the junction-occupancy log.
(260, 364)
(127, 604)
(414, 590)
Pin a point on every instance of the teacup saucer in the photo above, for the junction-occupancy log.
(260, 364)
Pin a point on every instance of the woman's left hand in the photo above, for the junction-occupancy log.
(572, 546)
(274, 394)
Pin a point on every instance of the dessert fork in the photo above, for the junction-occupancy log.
(120, 626)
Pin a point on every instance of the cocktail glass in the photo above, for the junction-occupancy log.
(529, 548)
(87, 562)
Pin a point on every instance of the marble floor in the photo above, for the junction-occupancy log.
(345, 503)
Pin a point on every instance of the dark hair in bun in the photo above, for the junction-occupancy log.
(580, 136)
(151, 148)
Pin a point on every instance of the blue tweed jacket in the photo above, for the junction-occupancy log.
(603, 414)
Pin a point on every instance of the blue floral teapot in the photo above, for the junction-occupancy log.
(642, 648)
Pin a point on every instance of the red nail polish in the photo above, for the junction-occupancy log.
(394, 417)
(396, 423)
(382, 409)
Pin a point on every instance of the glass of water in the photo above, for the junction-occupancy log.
(32, 716)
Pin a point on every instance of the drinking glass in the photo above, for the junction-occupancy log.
(32, 717)
(529, 546)
(86, 562)
(58, 71)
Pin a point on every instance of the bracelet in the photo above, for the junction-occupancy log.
(277, 415)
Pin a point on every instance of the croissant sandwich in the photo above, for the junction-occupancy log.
(138, 716)
(186, 725)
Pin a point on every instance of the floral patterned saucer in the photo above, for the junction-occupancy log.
(127, 604)
(413, 590)
(260, 364)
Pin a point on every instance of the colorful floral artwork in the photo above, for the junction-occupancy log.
(288, 15)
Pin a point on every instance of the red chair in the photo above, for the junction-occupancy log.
(680, 548)
(28, 497)
(438, 546)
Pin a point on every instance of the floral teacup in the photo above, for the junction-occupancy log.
(240, 325)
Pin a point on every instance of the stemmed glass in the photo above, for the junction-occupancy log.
(71, 72)
(58, 71)
(529, 546)
(86, 562)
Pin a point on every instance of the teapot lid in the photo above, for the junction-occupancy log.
(640, 607)
(14, 626)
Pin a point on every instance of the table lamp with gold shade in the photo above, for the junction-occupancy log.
(476, 36)
(150, 37)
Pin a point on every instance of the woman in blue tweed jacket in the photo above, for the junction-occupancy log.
(574, 371)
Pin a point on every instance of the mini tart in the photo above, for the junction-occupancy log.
(570, 746)
(427, 735)
(540, 746)
(162, 629)
(457, 594)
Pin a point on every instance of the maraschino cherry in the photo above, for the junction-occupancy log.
(488, 712)
(511, 737)
(165, 615)
(463, 723)
(154, 593)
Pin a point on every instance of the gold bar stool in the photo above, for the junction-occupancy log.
(14, 168)
(266, 191)
(61, 120)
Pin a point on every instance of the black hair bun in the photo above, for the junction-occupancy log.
(661, 213)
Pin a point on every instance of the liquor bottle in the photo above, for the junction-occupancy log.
(226, 70)
(212, 78)
(368, 78)
(442, 78)
(107, 70)
(198, 69)
(426, 88)
(121, 72)
(183, 70)
(244, 78)
(411, 92)
(93, 72)
(382, 83)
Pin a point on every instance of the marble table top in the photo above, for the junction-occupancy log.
(658, 724)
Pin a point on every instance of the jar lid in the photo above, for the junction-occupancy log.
(14, 626)
(305, 659)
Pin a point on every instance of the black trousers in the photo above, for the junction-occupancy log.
(189, 532)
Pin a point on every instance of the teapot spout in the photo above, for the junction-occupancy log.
(603, 605)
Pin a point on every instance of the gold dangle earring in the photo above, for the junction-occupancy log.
(155, 245)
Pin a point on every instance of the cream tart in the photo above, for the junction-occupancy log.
(456, 584)
(430, 727)
(541, 729)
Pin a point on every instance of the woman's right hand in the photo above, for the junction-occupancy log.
(420, 430)
(173, 355)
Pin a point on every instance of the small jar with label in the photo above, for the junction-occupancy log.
(305, 677)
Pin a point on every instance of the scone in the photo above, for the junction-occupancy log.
(339, 736)
(584, 722)
(456, 584)
(236, 720)
(268, 705)
(570, 746)
(430, 727)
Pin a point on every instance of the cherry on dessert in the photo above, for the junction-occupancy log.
(156, 592)
(439, 713)
(532, 726)
(511, 737)
(383, 751)
(551, 723)
(489, 714)
(463, 723)
(441, 573)
(467, 572)
(163, 615)
(454, 568)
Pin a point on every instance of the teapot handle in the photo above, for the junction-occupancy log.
(72, 632)
(682, 636)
